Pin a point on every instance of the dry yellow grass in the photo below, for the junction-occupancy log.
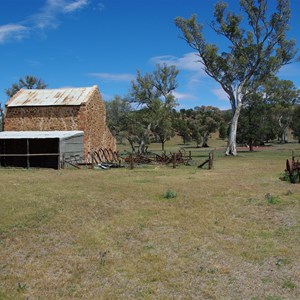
(230, 233)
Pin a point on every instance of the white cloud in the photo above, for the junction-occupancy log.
(188, 62)
(184, 96)
(220, 94)
(47, 17)
(113, 77)
(197, 82)
(12, 31)
(79, 4)
(49, 13)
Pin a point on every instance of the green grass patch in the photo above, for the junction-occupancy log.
(227, 233)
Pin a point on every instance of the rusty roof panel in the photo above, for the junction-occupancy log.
(49, 97)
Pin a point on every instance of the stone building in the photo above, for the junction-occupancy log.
(61, 110)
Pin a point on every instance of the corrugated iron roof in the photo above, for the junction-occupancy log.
(39, 134)
(51, 97)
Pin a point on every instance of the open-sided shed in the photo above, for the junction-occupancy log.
(42, 149)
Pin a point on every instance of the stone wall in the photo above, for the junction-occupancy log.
(96, 133)
(89, 117)
(42, 118)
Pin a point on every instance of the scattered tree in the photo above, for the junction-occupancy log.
(254, 52)
(154, 93)
(117, 113)
(251, 127)
(295, 122)
(282, 95)
(181, 122)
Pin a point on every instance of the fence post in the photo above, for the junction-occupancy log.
(131, 162)
(174, 160)
(63, 161)
(210, 160)
(93, 159)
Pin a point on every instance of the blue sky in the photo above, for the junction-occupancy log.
(77, 43)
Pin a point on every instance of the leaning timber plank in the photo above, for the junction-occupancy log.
(205, 162)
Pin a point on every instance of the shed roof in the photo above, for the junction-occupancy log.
(51, 97)
(4, 135)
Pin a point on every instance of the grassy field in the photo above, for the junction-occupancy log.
(153, 232)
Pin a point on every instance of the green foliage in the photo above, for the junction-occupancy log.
(284, 176)
(181, 125)
(28, 82)
(281, 95)
(295, 122)
(253, 125)
(197, 124)
(254, 52)
(22, 287)
(272, 199)
(222, 131)
(292, 178)
(282, 262)
(117, 112)
(169, 194)
(267, 113)
(154, 93)
(206, 121)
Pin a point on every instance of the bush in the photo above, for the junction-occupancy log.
(169, 194)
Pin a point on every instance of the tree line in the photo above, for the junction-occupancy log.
(148, 114)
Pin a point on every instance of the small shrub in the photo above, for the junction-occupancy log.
(169, 194)
(284, 176)
(272, 199)
(21, 287)
(294, 178)
(282, 262)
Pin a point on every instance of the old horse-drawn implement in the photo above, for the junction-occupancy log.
(293, 168)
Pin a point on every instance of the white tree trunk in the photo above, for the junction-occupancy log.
(231, 144)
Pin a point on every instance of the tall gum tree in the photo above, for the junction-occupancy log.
(254, 52)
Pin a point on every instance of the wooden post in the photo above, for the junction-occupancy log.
(210, 160)
(58, 162)
(63, 161)
(174, 160)
(131, 162)
(293, 158)
(93, 159)
(28, 163)
(190, 154)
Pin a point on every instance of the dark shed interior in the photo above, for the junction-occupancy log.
(42, 153)
(38, 150)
